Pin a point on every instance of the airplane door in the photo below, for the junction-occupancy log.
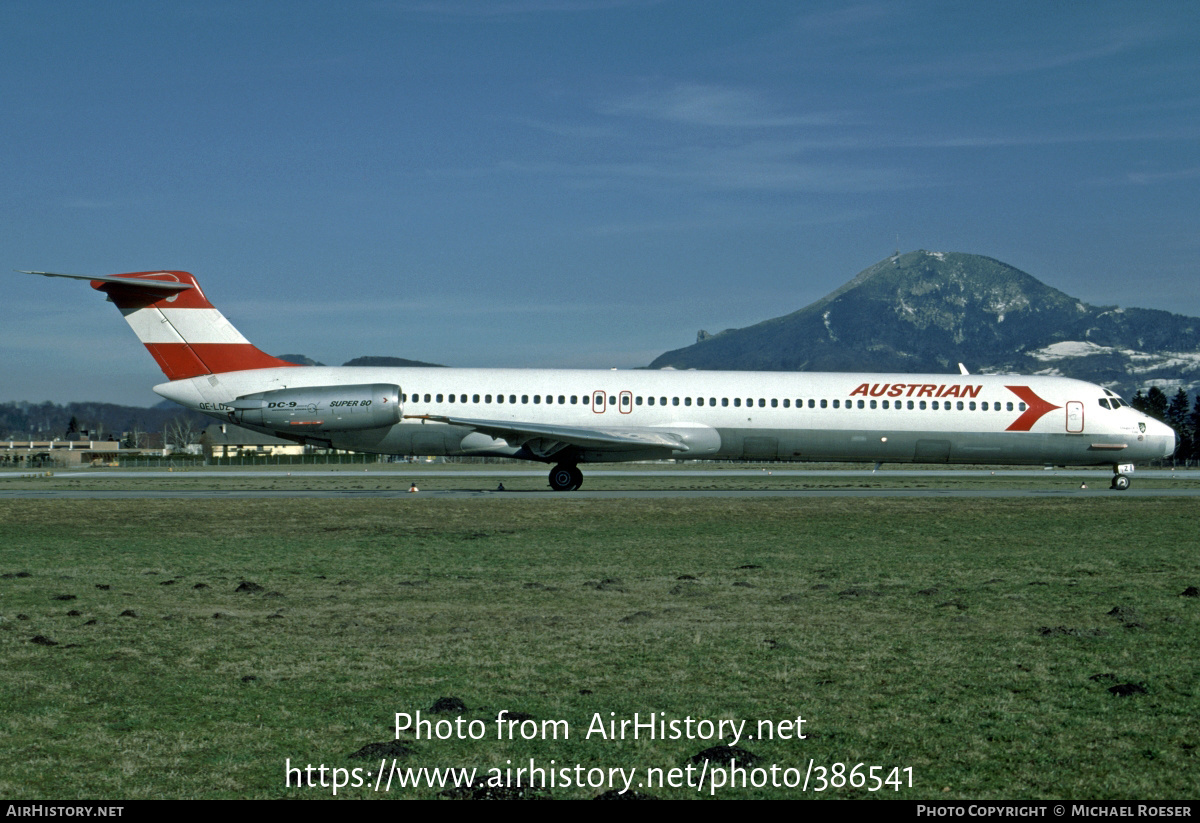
(599, 401)
(1074, 417)
(626, 402)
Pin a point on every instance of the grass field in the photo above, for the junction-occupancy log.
(973, 641)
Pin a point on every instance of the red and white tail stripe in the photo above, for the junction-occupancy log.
(184, 333)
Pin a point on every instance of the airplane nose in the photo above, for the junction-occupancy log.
(1172, 441)
(1163, 432)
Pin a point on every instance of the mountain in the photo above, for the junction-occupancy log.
(305, 360)
(390, 361)
(928, 311)
(299, 359)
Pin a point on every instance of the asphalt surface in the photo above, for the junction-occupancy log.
(1097, 484)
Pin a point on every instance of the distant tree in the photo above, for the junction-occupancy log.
(1179, 419)
(181, 433)
(1194, 420)
(1155, 403)
(135, 438)
(72, 428)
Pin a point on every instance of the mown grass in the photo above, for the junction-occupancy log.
(971, 640)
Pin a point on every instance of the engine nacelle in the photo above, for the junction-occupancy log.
(320, 408)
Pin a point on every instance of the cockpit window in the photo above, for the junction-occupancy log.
(1104, 403)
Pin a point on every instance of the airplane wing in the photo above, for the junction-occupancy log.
(544, 439)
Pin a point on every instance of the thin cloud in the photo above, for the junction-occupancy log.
(717, 106)
(761, 166)
(503, 8)
(1147, 178)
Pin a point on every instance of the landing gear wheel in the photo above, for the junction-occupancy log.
(565, 478)
(1120, 482)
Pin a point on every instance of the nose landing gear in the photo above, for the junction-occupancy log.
(1120, 481)
(565, 478)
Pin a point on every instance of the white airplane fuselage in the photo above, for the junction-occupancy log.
(903, 418)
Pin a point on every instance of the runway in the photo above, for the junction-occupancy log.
(1041, 484)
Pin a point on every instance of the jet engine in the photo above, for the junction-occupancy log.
(320, 408)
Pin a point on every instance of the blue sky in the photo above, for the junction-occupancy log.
(576, 183)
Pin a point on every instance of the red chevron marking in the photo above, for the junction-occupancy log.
(1037, 407)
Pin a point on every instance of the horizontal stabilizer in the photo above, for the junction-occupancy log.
(156, 285)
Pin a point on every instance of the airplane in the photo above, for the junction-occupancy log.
(567, 417)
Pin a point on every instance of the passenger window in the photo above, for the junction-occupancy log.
(824, 404)
(724, 401)
(737, 402)
(662, 401)
(574, 400)
(561, 400)
(984, 405)
(649, 401)
(537, 398)
(972, 405)
(762, 403)
(812, 403)
(612, 401)
(774, 403)
(687, 401)
(960, 405)
(935, 405)
(1021, 406)
(836, 404)
(886, 404)
(674, 401)
(872, 404)
(487, 398)
(638, 400)
(426, 398)
(439, 398)
(922, 404)
(474, 398)
(787, 403)
(524, 398)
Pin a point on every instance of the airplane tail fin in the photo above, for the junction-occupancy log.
(184, 333)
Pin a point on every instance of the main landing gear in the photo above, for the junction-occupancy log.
(565, 478)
